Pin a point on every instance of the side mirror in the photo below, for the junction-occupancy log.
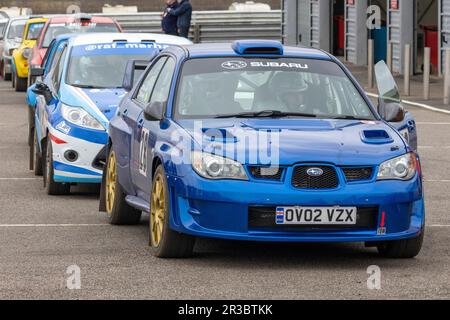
(133, 70)
(393, 112)
(154, 111)
(37, 72)
(41, 89)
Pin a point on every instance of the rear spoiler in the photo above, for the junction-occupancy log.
(130, 71)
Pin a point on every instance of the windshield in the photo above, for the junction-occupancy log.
(34, 30)
(220, 87)
(56, 30)
(99, 71)
(16, 29)
(103, 65)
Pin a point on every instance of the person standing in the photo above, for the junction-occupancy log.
(184, 14)
(169, 22)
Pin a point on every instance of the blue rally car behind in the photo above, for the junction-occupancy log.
(78, 97)
(40, 73)
(256, 141)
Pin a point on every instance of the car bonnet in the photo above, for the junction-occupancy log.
(341, 142)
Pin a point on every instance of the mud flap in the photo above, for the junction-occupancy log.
(102, 205)
(31, 137)
(31, 157)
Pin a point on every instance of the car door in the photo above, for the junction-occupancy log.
(134, 107)
(149, 132)
(388, 93)
(53, 81)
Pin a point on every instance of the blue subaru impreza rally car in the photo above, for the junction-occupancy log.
(78, 97)
(257, 141)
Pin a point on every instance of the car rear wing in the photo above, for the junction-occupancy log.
(132, 68)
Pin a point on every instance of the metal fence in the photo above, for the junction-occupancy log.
(212, 26)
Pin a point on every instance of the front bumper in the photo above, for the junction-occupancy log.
(226, 209)
(85, 169)
(21, 65)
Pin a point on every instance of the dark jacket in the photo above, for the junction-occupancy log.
(169, 22)
(184, 14)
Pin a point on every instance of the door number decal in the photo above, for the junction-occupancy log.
(143, 152)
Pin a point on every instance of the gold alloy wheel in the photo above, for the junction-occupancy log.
(157, 211)
(111, 178)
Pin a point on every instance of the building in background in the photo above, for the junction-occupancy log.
(340, 27)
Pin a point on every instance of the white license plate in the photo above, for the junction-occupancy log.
(316, 215)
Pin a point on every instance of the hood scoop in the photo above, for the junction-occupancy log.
(376, 137)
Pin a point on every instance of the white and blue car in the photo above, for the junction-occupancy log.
(78, 97)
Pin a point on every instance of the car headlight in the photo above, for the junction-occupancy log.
(80, 117)
(400, 168)
(26, 53)
(210, 166)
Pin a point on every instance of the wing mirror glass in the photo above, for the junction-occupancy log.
(389, 101)
(386, 85)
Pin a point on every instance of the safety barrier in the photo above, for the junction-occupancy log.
(212, 26)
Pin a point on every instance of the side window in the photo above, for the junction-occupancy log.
(47, 53)
(58, 69)
(145, 91)
(56, 56)
(162, 86)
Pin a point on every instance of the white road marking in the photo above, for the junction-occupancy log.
(437, 180)
(432, 147)
(416, 104)
(19, 179)
(433, 123)
(53, 225)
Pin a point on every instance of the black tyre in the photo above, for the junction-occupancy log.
(53, 188)
(38, 166)
(401, 249)
(165, 242)
(13, 81)
(20, 83)
(118, 210)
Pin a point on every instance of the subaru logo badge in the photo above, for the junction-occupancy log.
(234, 65)
(315, 172)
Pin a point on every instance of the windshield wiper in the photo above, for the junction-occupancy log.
(88, 86)
(349, 118)
(84, 86)
(266, 114)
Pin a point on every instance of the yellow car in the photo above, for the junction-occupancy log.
(20, 62)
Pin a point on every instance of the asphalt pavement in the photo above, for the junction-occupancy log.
(43, 237)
